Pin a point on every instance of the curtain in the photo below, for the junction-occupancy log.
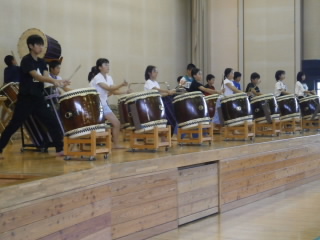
(200, 43)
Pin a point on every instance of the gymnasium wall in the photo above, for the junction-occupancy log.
(131, 34)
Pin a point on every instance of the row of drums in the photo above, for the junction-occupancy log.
(79, 111)
(144, 110)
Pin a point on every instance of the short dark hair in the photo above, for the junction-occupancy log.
(299, 76)
(179, 78)
(278, 74)
(54, 64)
(227, 71)
(148, 71)
(34, 39)
(195, 71)
(191, 66)
(8, 60)
(254, 76)
(209, 77)
(236, 75)
(101, 61)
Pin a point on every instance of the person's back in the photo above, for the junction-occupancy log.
(12, 71)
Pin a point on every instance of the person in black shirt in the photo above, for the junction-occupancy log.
(252, 88)
(196, 84)
(12, 71)
(31, 98)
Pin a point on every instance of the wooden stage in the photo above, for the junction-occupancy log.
(142, 194)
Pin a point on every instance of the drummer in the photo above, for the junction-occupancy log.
(301, 89)
(210, 81)
(196, 84)
(104, 85)
(151, 83)
(12, 71)
(30, 99)
(228, 89)
(186, 80)
(280, 88)
(252, 88)
(54, 71)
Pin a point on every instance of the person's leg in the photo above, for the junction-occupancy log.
(115, 129)
(46, 116)
(22, 111)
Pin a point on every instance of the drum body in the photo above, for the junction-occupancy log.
(257, 107)
(191, 110)
(289, 107)
(211, 101)
(308, 106)
(147, 110)
(81, 112)
(236, 109)
(125, 116)
(51, 50)
(10, 90)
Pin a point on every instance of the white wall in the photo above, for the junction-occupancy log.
(131, 34)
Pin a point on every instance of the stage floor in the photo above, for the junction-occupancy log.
(19, 167)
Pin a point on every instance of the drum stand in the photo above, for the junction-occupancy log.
(126, 132)
(203, 132)
(92, 140)
(5, 114)
(311, 124)
(293, 125)
(245, 131)
(151, 139)
(272, 128)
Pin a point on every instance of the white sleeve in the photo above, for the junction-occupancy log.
(98, 79)
(149, 85)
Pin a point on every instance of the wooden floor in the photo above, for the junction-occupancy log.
(20, 167)
(297, 217)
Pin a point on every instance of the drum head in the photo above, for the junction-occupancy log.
(22, 43)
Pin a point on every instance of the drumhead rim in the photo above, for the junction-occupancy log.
(22, 42)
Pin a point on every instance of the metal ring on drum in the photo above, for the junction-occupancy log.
(236, 109)
(191, 110)
(257, 107)
(147, 110)
(308, 106)
(289, 107)
(81, 112)
(52, 48)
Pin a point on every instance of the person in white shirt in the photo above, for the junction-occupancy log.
(280, 88)
(228, 89)
(150, 76)
(54, 71)
(301, 89)
(104, 85)
(228, 85)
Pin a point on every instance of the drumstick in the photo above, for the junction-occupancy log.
(75, 71)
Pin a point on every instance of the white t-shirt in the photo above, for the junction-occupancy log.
(279, 87)
(103, 94)
(300, 88)
(150, 84)
(228, 91)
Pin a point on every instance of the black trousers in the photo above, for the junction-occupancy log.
(25, 106)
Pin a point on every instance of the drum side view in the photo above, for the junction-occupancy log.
(308, 106)
(10, 90)
(147, 110)
(236, 109)
(289, 107)
(211, 101)
(81, 112)
(257, 105)
(52, 48)
(125, 117)
(191, 110)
